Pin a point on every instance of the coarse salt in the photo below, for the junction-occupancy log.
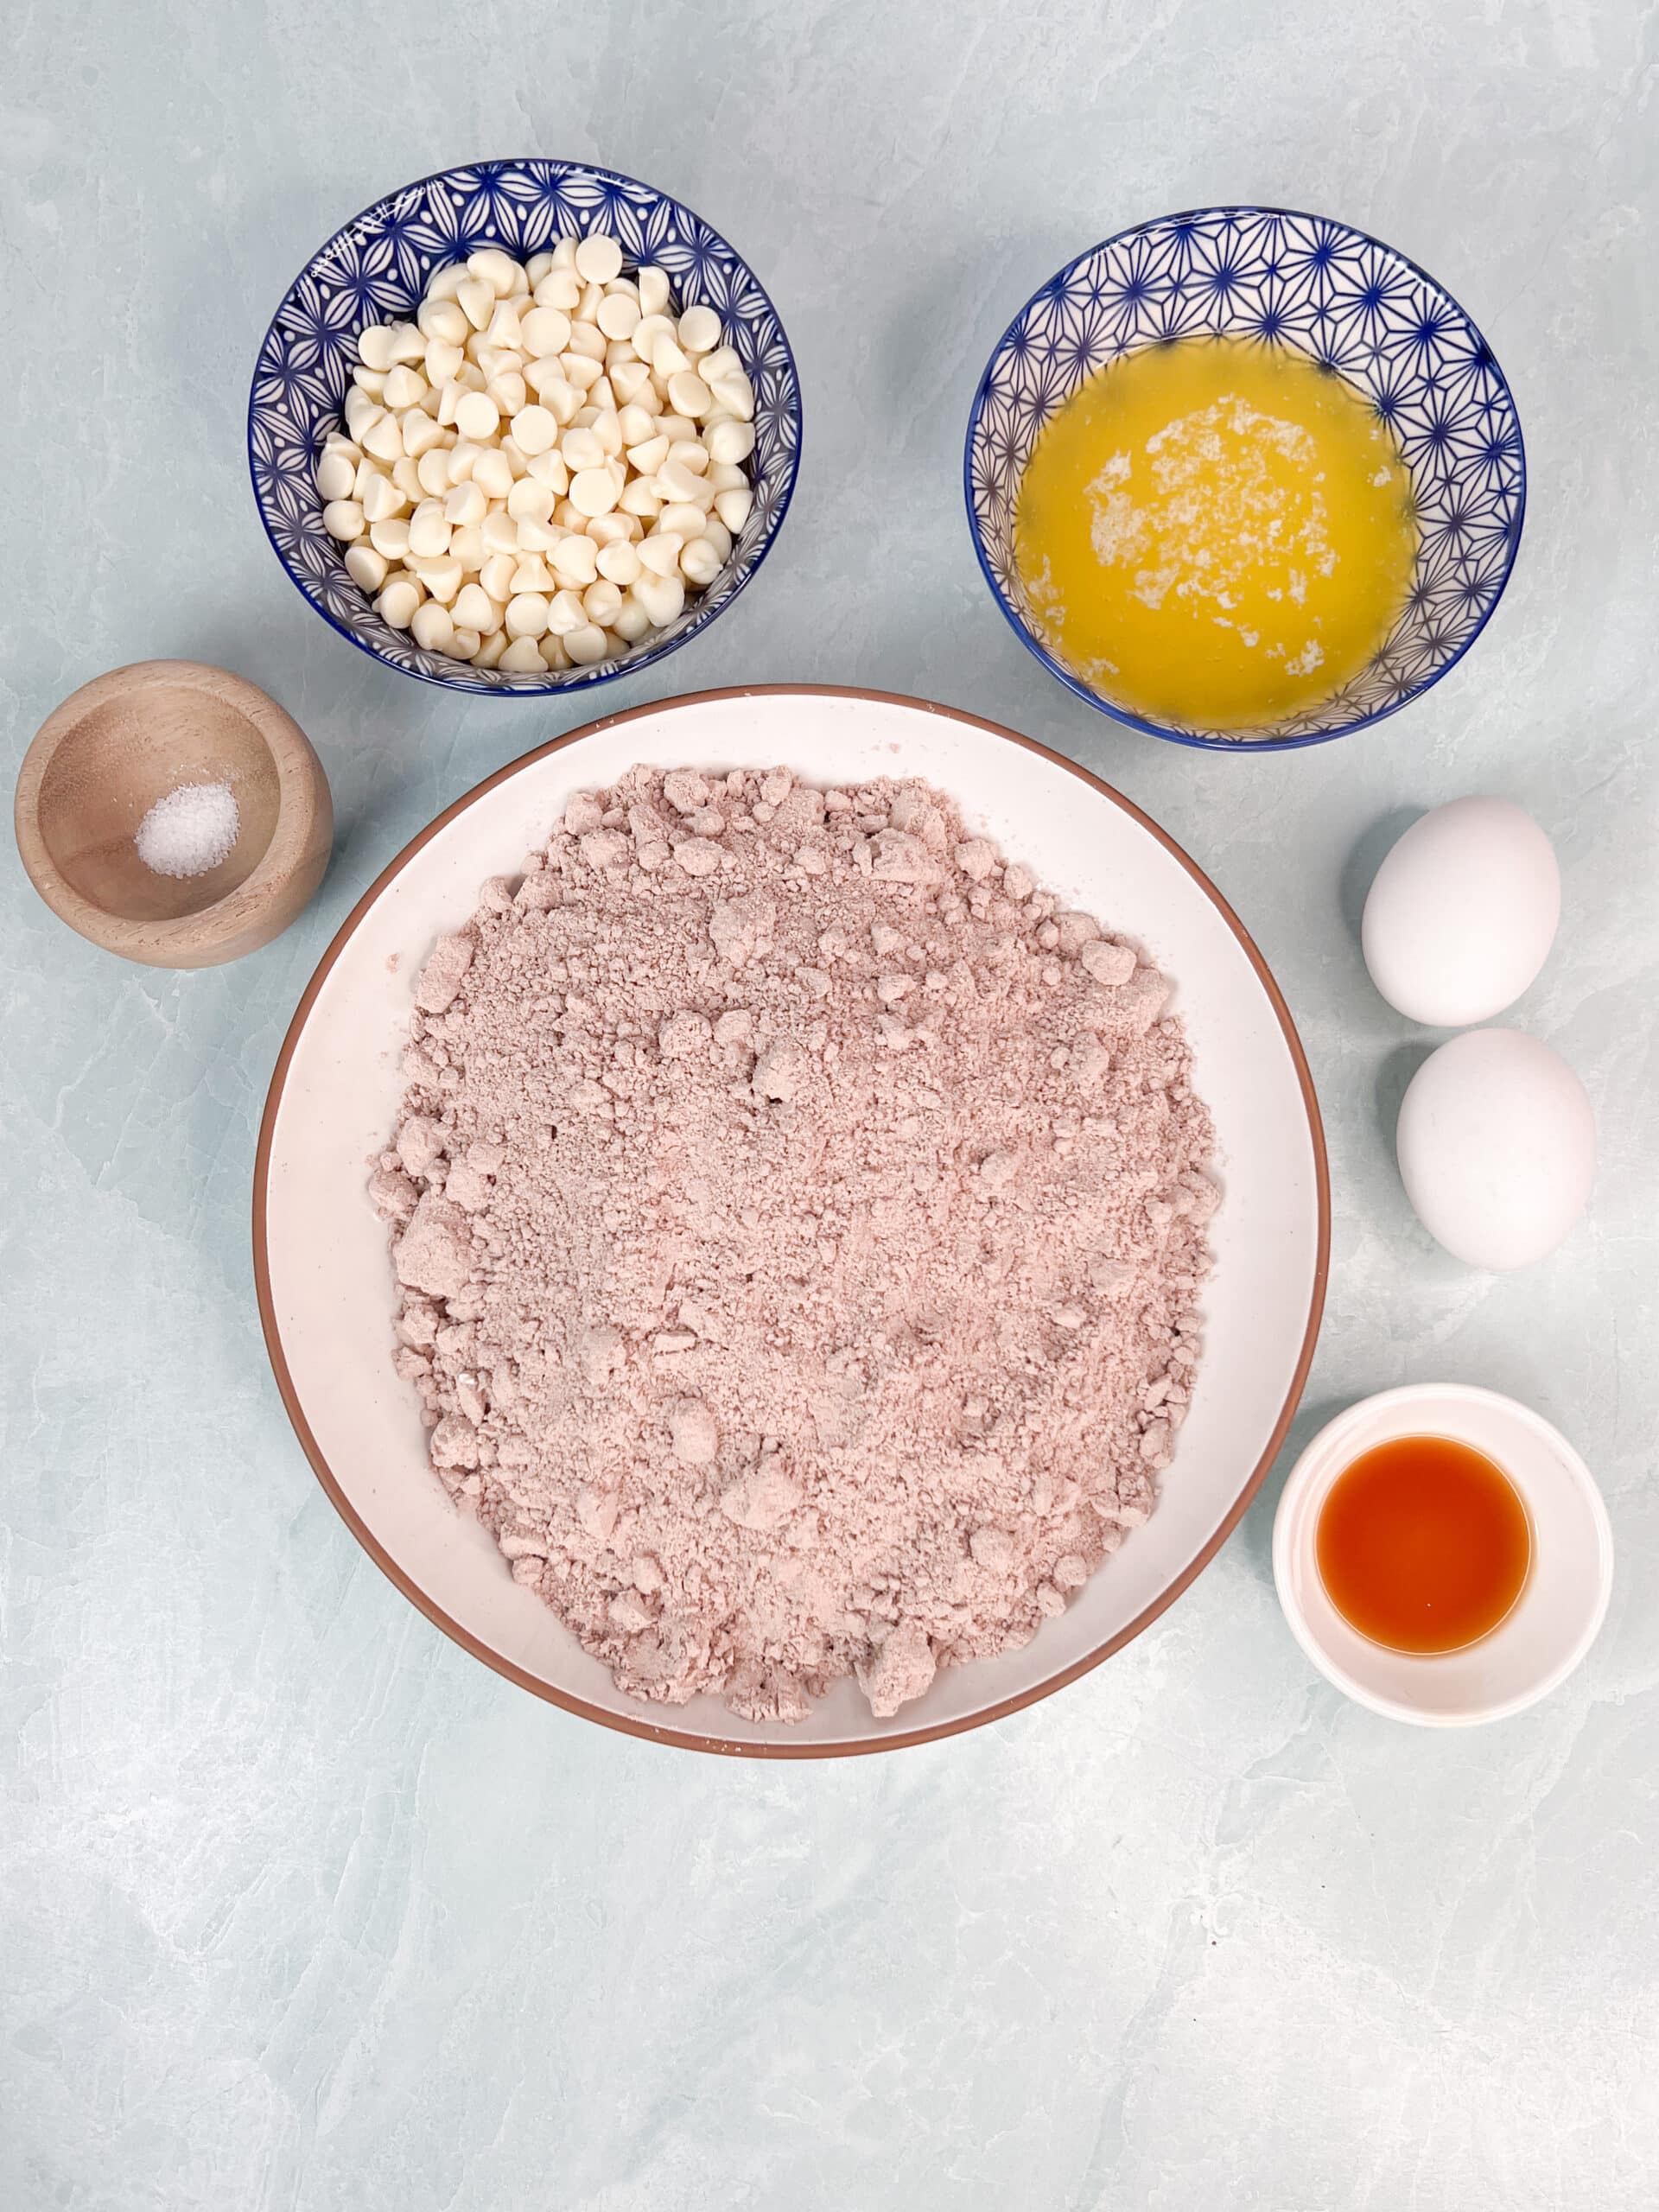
(189, 831)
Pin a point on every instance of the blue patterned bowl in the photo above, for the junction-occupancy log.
(377, 267)
(1352, 304)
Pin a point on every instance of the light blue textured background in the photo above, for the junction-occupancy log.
(299, 1906)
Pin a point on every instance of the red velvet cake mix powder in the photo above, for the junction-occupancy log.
(799, 1222)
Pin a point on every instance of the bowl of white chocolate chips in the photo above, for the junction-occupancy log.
(523, 426)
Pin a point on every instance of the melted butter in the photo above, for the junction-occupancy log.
(1215, 534)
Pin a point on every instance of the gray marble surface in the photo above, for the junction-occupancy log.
(299, 1906)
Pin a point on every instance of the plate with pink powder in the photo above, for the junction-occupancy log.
(792, 1222)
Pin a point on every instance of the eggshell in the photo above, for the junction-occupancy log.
(1497, 1147)
(1462, 912)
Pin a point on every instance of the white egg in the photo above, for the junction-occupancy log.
(1497, 1147)
(1462, 913)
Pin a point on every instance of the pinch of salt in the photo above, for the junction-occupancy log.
(189, 831)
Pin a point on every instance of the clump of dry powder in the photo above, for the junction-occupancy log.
(799, 1224)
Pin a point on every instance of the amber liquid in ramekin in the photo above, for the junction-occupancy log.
(1424, 1545)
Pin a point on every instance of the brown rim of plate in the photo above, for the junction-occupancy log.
(649, 1731)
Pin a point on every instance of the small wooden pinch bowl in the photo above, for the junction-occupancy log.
(101, 761)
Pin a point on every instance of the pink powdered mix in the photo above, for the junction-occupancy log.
(799, 1222)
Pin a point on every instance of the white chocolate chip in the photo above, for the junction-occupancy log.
(443, 320)
(560, 289)
(381, 499)
(405, 387)
(475, 610)
(492, 471)
(383, 439)
(489, 265)
(390, 538)
(441, 577)
(336, 477)
(432, 626)
(660, 553)
(688, 394)
(500, 532)
(681, 520)
(601, 602)
(699, 563)
(465, 503)
(620, 562)
(549, 468)
(632, 622)
(699, 331)
(530, 501)
(598, 259)
(667, 362)
(428, 533)
(477, 302)
(420, 431)
(529, 574)
(545, 331)
(539, 421)
(730, 441)
(496, 577)
(508, 391)
(374, 347)
(648, 456)
(526, 615)
(662, 597)
(580, 448)
(397, 602)
(477, 416)
(575, 560)
(504, 330)
(535, 430)
(593, 492)
(631, 384)
(366, 568)
(619, 315)
(734, 393)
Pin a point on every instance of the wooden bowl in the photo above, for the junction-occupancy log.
(101, 761)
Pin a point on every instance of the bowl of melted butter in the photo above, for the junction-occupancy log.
(1245, 477)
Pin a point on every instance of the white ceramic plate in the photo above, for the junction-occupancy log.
(325, 1280)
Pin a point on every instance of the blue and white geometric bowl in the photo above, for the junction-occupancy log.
(1350, 303)
(377, 269)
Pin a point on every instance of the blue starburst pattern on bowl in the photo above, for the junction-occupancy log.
(1350, 303)
(376, 271)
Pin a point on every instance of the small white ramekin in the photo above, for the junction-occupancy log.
(1556, 1619)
